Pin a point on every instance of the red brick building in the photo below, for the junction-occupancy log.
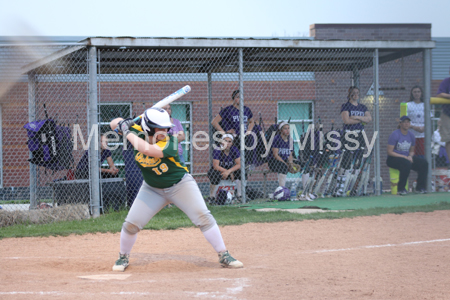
(317, 79)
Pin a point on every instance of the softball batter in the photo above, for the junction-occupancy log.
(166, 180)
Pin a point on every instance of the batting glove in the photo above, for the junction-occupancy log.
(125, 125)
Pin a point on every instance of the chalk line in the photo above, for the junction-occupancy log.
(378, 246)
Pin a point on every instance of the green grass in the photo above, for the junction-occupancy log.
(173, 218)
(20, 201)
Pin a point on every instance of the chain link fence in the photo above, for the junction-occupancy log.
(40, 110)
(292, 108)
(440, 160)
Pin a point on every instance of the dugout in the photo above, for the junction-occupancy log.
(103, 77)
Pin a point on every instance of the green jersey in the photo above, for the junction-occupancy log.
(160, 172)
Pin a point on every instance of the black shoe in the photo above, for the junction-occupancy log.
(402, 193)
(421, 191)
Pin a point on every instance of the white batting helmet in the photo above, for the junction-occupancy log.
(155, 117)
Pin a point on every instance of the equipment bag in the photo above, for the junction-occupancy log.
(50, 145)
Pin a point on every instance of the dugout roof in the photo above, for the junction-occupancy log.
(264, 54)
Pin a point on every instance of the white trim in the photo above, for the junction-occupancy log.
(252, 43)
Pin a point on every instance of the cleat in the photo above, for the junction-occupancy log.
(421, 191)
(227, 261)
(402, 193)
(122, 263)
(305, 198)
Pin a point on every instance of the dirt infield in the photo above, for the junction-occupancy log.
(384, 257)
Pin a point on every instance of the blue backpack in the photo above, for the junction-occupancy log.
(50, 145)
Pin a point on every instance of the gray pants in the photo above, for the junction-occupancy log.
(185, 195)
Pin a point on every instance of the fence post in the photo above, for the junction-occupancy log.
(93, 146)
(427, 106)
(377, 122)
(31, 118)
(241, 123)
(211, 140)
(355, 77)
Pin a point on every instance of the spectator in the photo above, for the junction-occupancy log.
(354, 115)
(444, 92)
(438, 148)
(281, 154)
(176, 131)
(416, 112)
(226, 165)
(400, 152)
(82, 170)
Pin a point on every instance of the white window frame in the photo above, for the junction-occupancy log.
(188, 139)
(120, 143)
(296, 121)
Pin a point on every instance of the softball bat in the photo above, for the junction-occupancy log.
(169, 99)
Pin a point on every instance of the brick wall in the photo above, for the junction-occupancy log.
(69, 102)
(328, 91)
(380, 32)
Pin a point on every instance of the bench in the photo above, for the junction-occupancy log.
(113, 192)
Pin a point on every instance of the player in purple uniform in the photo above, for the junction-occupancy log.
(177, 131)
(401, 156)
(82, 170)
(227, 121)
(354, 115)
(226, 165)
(281, 154)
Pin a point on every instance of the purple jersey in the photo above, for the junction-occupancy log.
(174, 131)
(230, 118)
(284, 147)
(227, 161)
(402, 142)
(358, 110)
(444, 87)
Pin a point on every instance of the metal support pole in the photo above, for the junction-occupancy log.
(94, 167)
(241, 123)
(355, 79)
(427, 106)
(265, 185)
(377, 122)
(210, 118)
(31, 118)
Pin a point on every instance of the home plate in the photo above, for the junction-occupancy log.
(106, 277)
